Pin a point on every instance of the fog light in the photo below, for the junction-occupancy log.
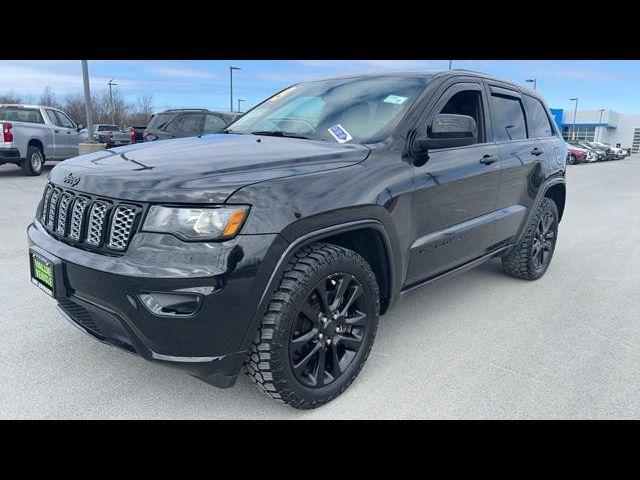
(171, 304)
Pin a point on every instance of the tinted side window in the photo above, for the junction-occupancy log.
(52, 117)
(213, 124)
(190, 124)
(64, 121)
(539, 124)
(467, 102)
(507, 117)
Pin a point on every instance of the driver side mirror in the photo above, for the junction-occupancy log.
(449, 130)
(80, 126)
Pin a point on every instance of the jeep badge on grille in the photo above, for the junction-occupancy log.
(71, 180)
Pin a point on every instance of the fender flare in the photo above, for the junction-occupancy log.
(306, 239)
(542, 191)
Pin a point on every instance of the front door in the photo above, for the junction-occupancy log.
(69, 136)
(456, 192)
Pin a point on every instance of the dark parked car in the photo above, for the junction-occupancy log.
(137, 133)
(186, 123)
(279, 244)
(599, 153)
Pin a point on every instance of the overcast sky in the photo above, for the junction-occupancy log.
(186, 83)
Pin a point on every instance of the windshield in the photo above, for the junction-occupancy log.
(356, 110)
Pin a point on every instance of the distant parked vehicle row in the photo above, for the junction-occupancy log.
(178, 123)
(33, 134)
(595, 151)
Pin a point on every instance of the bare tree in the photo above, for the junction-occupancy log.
(126, 113)
(48, 98)
(10, 97)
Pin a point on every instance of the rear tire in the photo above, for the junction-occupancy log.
(571, 160)
(32, 165)
(303, 354)
(530, 258)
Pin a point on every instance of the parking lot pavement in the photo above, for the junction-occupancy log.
(480, 345)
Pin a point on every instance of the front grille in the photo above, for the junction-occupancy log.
(121, 225)
(89, 222)
(96, 223)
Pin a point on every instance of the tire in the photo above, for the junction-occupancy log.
(571, 160)
(32, 165)
(526, 260)
(281, 361)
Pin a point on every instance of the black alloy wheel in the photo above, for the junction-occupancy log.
(328, 331)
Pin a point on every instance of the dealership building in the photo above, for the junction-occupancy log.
(605, 126)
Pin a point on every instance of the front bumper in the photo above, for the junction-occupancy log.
(100, 296)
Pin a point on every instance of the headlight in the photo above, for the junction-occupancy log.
(196, 223)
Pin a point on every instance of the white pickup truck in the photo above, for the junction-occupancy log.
(33, 134)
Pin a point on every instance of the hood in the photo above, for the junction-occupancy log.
(205, 169)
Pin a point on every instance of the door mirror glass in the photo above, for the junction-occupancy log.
(449, 130)
(80, 126)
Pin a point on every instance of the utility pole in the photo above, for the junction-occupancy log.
(231, 69)
(239, 101)
(113, 108)
(575, 111)
(599, 126)
(87, 99)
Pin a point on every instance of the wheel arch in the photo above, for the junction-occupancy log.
(558, 193)
(368, 237)
(36, 142)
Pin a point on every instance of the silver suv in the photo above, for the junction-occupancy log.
(32, 134)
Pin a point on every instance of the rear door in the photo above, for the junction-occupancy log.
(521, 159)
(456, 191)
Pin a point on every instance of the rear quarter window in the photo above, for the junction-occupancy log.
(539, 123)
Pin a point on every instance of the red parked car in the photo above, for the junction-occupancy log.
(576, 155)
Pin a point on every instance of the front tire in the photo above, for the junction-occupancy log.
(32, 165)
(530, 258)
(318, 329)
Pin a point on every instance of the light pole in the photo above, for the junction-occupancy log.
(599, 126)
(239, 101)
(87, 99)
(113, 108)
(575, 111)
(231, 69)
(532, 80)
(450, 64)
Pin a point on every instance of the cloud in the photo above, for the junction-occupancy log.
(178, 72)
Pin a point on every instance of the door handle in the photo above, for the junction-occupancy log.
(68, 132)
(537, 151)
(489, 159)
(56, 131)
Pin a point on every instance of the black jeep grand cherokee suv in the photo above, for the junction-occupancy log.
(278, 243)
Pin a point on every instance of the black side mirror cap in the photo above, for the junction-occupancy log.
(447, 131)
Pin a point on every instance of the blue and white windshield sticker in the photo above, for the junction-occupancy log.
(340, 134)
(395, 99)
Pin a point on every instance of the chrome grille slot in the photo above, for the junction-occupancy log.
(53, 204)
(45, 205)
(77, 218)
(65, 202)
(122, 222)
(96, 223)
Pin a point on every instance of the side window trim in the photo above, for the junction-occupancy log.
(494, 89)
(448, 92)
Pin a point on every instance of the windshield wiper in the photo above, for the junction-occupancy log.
(279, 133)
